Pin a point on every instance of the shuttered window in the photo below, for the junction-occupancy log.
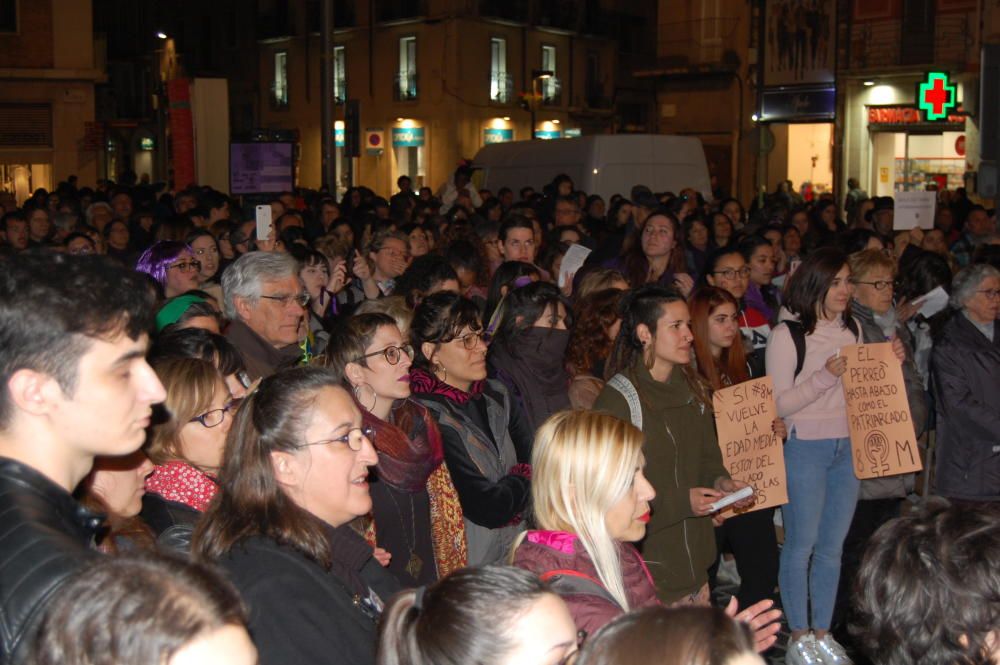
(25, 125)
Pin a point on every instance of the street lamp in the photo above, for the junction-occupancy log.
(536, 76)
(161, 35)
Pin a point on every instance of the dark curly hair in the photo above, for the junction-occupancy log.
(589, 341)
(438, 319)
(928, 591)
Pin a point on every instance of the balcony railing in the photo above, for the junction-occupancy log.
(405, 87)
(551, 91)
(501, 88)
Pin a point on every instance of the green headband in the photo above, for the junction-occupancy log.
(173, 310)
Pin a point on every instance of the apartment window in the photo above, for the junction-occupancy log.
(550, 85)
(8, 15)
(279, 88)
(339, 75)
(406, 79)
(501, 86)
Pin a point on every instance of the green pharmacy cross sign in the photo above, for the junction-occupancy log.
(937, 96)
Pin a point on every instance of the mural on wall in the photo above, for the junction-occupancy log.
(800, 42)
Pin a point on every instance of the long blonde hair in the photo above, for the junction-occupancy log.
(583, 463)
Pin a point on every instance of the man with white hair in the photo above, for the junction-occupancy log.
(265, 301)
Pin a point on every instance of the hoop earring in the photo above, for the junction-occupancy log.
(438, 368)
(647, 357)
(357, 397)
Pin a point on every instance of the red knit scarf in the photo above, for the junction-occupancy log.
(179, 481)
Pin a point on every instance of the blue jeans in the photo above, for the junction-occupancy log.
(822, 495)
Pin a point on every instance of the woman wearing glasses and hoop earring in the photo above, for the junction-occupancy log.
(487, 441)
(415, 509)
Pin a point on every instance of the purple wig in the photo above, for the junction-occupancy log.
(157, 259)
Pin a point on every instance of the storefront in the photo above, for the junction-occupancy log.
(892, 144)
(909, 154)
(800, 121)
(498, 130)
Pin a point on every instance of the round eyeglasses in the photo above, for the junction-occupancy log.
(469, 340)
(393, 354)
(215, 417)
(354, 439)
(733, 273)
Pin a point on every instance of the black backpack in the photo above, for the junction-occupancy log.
(799, 339)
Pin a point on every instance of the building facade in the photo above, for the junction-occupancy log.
(436, 80)
(704, 76)
(882, 138)
(48, 68)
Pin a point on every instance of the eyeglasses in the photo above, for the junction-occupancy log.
(393, 354)
(78, 251)
(354, 439)
(300, 299)
(187, 266)
(733, 273)
(215, 417)
(880, 285)
(991, 294)
(469, 340)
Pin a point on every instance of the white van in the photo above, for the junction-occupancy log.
(603, 164)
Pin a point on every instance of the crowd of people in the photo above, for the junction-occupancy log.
(398, 431)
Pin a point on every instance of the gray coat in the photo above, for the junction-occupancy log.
(480, 463)
(901, 485)
(965, 379)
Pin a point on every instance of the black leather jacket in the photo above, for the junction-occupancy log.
(45, 536)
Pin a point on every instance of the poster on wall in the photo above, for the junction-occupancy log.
(799, 42)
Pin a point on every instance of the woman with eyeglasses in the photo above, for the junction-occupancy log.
(186, 449)
(294, 476)
(487, 441)
(965, 380)
(727, 269)
(879, 499)
(416, 514)
(172, 265)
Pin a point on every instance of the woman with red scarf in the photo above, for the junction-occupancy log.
(487, 440)
(417, 516)
(187, 449)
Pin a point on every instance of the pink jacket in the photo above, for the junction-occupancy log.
(545, 551)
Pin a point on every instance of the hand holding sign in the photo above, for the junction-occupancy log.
(882, 438)
(751, 451)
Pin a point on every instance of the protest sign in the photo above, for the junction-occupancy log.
(751, 451)
(914, 210)
(883, 442)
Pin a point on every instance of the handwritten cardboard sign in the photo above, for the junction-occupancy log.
(882, 438)
(751, 451)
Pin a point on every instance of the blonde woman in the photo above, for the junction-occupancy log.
(591, 502)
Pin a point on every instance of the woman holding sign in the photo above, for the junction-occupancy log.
(721, 362)
(822, 487)
(654, 387)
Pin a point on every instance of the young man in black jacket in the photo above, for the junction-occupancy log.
(74, 383)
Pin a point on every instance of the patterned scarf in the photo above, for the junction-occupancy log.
(179, 481)
(409, 446)
(423, 382)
